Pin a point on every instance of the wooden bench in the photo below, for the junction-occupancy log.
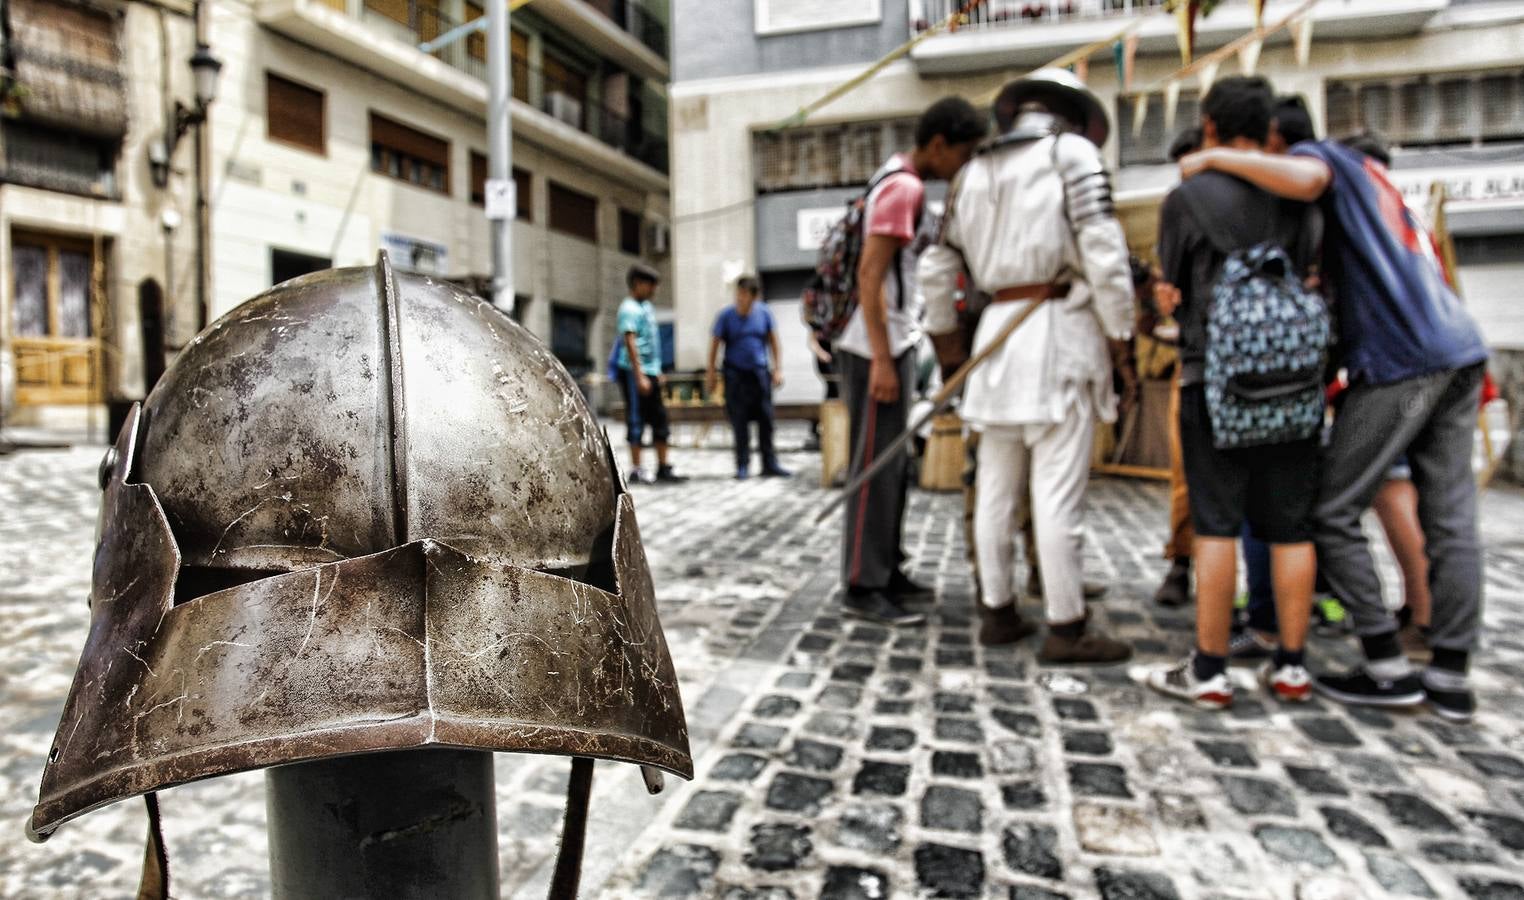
(688, 402)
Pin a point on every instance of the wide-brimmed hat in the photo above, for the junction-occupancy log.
(1061, 83)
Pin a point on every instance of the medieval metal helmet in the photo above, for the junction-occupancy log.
(363, 511)
(1064, 94)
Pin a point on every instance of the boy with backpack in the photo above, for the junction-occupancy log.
(1415, 361)
(1253, 351)
(866, 289)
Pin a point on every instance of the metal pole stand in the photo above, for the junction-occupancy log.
(384, 826)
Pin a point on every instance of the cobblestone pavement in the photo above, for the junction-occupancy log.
(842, 760)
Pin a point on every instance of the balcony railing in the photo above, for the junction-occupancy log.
(636, 20)
(417, 21)
(1017, 13)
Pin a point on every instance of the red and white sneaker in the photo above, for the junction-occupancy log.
(1289, 684)
(1179, 681)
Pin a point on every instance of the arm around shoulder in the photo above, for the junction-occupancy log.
(1294, 177)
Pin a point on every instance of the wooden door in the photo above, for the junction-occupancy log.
(56, 302)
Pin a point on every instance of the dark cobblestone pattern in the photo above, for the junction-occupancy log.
(840, 760)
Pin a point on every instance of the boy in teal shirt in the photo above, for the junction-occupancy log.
(638, 360)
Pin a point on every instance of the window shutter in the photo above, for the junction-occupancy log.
(294, 113)
(573, 212)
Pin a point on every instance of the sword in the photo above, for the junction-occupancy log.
(938, 403)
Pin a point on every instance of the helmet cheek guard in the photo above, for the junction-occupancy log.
(415, 645)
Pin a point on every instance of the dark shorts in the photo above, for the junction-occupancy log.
(643, 410)
(1273, 487)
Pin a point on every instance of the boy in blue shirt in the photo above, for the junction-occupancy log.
(638, 362)
(747, 331)
(1415, 361)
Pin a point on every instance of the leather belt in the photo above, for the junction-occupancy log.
(1042, 291)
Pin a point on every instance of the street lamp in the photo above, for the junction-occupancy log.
(205, 68)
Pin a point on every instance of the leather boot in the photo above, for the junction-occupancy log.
(1069, 644)
(1176, 587)
(1002, 626)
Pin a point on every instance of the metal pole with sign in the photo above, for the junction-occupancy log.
(501, 201)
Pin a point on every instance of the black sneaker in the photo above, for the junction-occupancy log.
(1358, 688)
(1456, 706)
(1248, 645)
(875, 606)
(902, 588)
(665, 475)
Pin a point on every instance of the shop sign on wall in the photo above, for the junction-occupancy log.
(1470, 184)
(782, 16)
(414, 254)
(813, 224)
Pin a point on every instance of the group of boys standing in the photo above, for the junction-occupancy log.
(1029, 222)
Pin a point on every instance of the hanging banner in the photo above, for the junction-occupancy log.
(1248, 56)
(1301, 31)
(1139, 113)
(1129, 58)
(1185, 28)
(1171, 104)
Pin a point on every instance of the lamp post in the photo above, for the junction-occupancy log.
(205, 69)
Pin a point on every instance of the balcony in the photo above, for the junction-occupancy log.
(384, 35)
(636, 20)
(621, 31)
(1011, 33)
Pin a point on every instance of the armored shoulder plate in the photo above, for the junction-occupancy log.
(1087, 186)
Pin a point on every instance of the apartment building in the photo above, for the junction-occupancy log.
(1443, 79)
(338, 136)
(95, 239)
(332, 136)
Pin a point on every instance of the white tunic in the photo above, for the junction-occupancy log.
(1010, 221)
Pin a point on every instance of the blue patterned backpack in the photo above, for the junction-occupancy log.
(1268, 338)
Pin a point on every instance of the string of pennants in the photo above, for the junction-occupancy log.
(1123, 46)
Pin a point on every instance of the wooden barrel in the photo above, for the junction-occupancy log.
(942, 467)
(835, 442)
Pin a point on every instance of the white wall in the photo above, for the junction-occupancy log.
(267, 194)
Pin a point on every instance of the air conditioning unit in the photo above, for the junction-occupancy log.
(660, 239)
(564, 107)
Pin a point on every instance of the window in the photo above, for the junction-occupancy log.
(1151, 146)
(826, 156)
(568, 337)
(521, 187)
(629, 232)
(565, 91)
(573, 212)
(476, 53)
(56, 160)
(288, 264)
(294, 114)
(1431, 110)
(407, 154)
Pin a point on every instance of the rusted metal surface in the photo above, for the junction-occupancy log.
(342, 418)
(443, 619)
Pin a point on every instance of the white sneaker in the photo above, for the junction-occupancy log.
(1289, 684)
(1179, 681)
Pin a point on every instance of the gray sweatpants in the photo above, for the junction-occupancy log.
(1432, 419)
(875, 515)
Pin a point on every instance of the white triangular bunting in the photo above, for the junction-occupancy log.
(1171, 103)
(1248, 56)
(1301, 31)
(1139, 113)
(1207, 74)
